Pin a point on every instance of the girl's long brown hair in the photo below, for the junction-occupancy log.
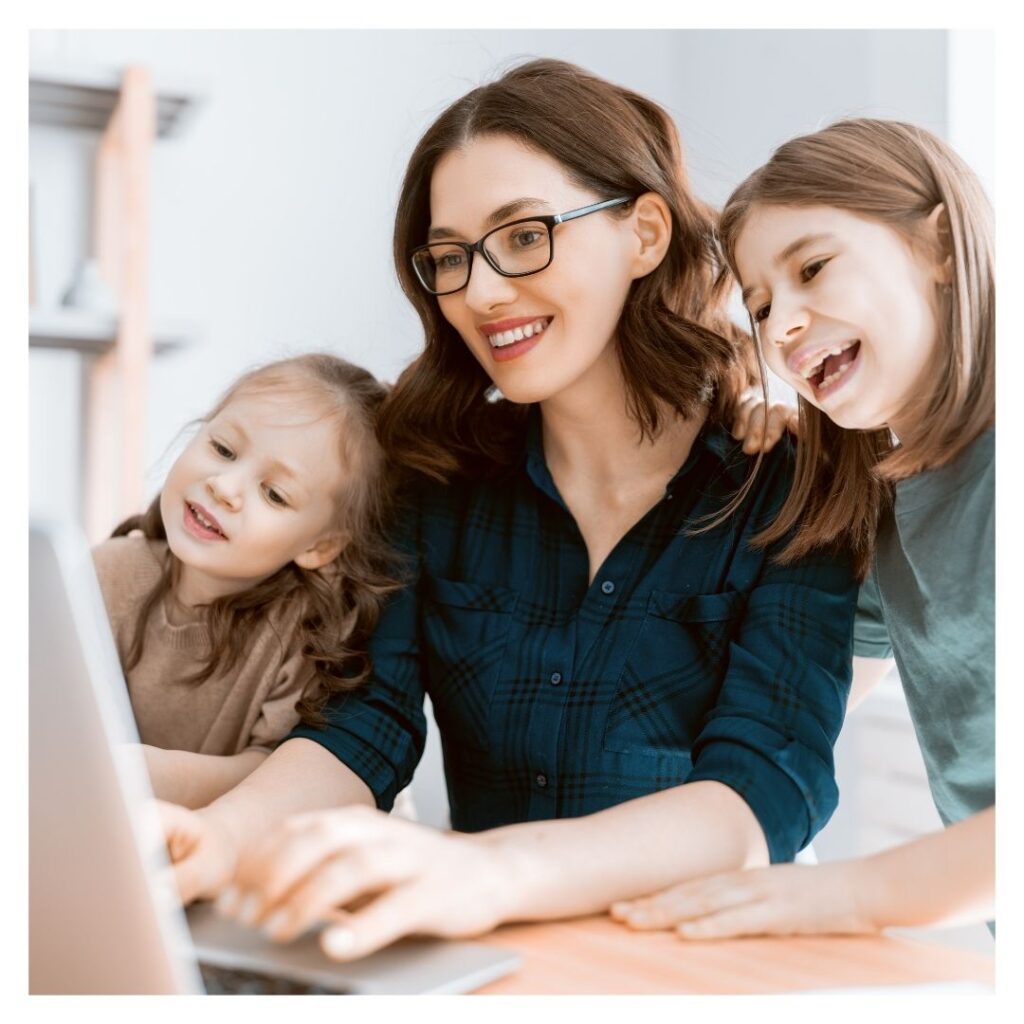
(335, 607)
(898, 174)
(675, 343)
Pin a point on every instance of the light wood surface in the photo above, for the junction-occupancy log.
(597, 956)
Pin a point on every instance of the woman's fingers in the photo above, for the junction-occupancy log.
(391, 916)
(337, 884)
(267, 879)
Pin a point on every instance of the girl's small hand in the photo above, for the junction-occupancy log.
(787, 899)
(201, 853)
(371, 877)
(760, 431)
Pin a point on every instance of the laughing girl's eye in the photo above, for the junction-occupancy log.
(761, 313)
(812, 269)
(221, 449)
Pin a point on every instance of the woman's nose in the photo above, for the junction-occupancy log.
(487, 288)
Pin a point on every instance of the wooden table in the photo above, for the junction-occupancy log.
(597, 956)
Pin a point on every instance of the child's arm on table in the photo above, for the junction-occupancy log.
(940, 880)
(195, 780)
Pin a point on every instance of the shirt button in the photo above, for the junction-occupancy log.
(556, 678)
(542, 781)
(607, 587)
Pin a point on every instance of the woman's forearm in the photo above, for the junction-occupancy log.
(575, 866)
(300, 775)
(943, 879)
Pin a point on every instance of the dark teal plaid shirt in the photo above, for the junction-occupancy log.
(687, 658)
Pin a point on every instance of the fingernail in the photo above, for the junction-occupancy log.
(250, 909)
(227, 902)
(638, 917)
(276, 924)
(338, 941)
(619, 909)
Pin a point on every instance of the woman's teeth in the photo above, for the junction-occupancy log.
(518, 333)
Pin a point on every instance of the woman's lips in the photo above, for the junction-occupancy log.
(201, 524)
(509, 339)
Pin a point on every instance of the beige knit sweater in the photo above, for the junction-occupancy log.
(250, 707)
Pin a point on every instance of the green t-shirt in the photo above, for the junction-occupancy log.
(935, 601)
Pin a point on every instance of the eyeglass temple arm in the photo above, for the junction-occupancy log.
(561, 218)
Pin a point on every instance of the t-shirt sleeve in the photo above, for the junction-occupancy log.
(870, 635)
(379, 730)
(781, 705)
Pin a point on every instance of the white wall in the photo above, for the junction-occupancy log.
(271, 215)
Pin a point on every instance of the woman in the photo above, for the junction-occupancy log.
(629, 694)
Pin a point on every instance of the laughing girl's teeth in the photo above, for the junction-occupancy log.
(518, 333)
(835, 376)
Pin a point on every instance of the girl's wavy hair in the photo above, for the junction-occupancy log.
(337, 606)
(898, 174)
(675, 342)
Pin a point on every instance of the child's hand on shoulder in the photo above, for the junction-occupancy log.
(760, 427)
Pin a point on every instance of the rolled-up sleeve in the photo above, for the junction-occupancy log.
(769, 736)
(379, 730)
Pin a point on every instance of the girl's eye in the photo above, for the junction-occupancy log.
(275, 497)
(761, 313)
(221, 449)
(812, 269)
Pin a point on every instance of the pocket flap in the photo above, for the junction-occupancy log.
(695, 607)
(485, 597)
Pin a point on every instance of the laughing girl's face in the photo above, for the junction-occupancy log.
(846, 309)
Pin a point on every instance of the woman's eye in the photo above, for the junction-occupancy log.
(527, 237)
(450, 261)
(275, 497)
(222, 450)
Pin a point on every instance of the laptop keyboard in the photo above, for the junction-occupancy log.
(230, 981)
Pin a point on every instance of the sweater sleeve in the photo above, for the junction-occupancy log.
(277, 714)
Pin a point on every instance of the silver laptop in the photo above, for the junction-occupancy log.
(104, 916)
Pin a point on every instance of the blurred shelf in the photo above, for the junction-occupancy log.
(93, 333)
(68, 96)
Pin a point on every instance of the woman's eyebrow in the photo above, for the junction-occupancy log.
(791, 250)
(496, 217)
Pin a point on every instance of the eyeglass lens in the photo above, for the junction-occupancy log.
(522, 248)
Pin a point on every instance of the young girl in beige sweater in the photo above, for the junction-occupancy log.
(244, 596)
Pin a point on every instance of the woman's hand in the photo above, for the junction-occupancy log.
(201, 852)
(758, 430)
(372, 877)
(787, 899)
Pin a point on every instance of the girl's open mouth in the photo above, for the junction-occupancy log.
(833, 371)
(201, 524)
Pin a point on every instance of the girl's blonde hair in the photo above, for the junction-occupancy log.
(898, 174)
(337, 606)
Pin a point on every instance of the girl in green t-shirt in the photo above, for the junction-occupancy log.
(865, 254)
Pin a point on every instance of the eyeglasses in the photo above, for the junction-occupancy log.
(516, 249)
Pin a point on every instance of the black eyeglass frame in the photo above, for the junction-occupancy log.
(549, 220)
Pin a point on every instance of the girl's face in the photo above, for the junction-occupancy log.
(256, 489)
(572, 306)
(846, 309)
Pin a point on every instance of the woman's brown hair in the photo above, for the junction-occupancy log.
(898, 174)
(675, 343)
(335, 607)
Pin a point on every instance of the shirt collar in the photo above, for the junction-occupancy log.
(714, 445)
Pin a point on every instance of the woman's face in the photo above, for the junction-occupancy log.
(571, 308)
(845, 307)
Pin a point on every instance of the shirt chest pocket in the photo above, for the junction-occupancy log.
(465, 629)
(673, 672)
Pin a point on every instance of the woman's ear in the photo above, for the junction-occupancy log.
(652, 221)
(325, 550)
(940, 241)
